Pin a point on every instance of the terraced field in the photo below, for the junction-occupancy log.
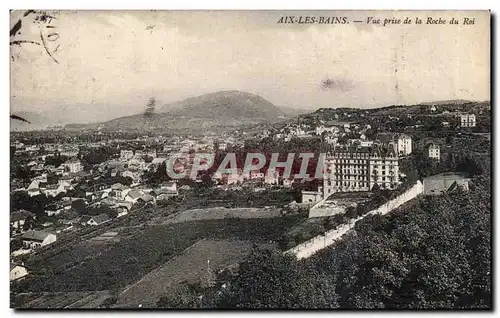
(87, 267)
(190, 266)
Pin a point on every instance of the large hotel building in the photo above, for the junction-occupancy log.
(358, 168)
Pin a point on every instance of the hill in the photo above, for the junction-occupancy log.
(225, 104)
(225, 108)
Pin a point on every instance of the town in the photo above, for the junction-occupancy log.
(79, 193)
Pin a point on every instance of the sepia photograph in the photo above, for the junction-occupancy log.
(250, 159)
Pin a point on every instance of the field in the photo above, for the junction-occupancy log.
(190, 266)
(221, 213)
(90, 267)
(72, 300)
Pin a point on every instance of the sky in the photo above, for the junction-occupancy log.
(110, 62)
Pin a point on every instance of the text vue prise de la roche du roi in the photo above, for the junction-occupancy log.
(374, 20)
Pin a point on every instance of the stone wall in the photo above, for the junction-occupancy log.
(319, 242)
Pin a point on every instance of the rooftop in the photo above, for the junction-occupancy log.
(35, 236)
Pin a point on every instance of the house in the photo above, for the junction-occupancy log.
(136, 164)
(126, 155)
(118, 191)
(122, 207)
(433, 151)
(272, 178)
(32, 164)
(17, 271)
(53, 190)
(256, 175)
(311, 196)
(462, 185)
(133, 195)
(165, 193)
(117, 171)
(35, 184)
(403, 144)
(158, 161)
(321, 129)
(36, 239)
(287, 183)
(94, 220)
(433, 108)
(18, 218)
(146, 198)
(171, 186)
(222, 145)
(73, 166)
(134, 175)
(54, 210)
(440, 183)
(468, 120)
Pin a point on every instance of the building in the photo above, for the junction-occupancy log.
(118, 191)
(126, 155)
(164, 194)
(468, 120)
(433, 151)
(73, 166)
(445, 182)
(133, 195)
(402, 142)
(321, 129)
(355, 168)
(404, 145)
(94, 220)
(18, 218)
(170, 185)
(36, 239)
(311, 196)
(17, 271)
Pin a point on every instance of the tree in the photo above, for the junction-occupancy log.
(45, 34)
(182, 296)
(16, 244)
(432, 254)
(150, 107)
(29, 223)
(268, 279)
(351, 212)
(79, 206)
(56, 160)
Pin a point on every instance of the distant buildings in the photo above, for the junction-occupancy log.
(468, 120)
(433, 151)
(321, 129)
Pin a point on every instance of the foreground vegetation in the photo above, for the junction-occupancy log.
(431, 254)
